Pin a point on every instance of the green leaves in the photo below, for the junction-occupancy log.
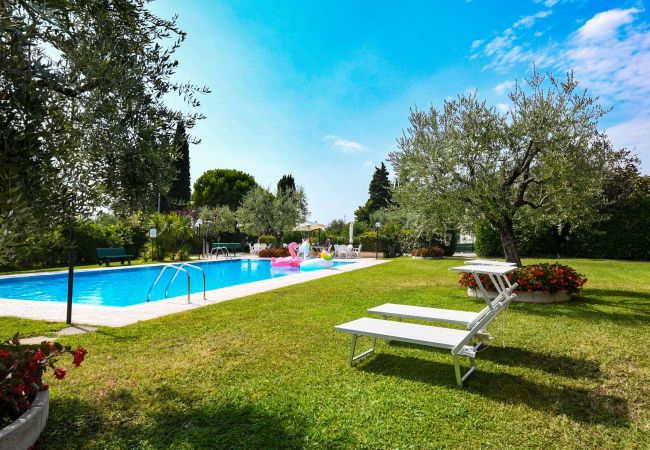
(468, 163)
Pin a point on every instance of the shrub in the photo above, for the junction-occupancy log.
(428, 252)
(21, 373)
(544, 277)
(274, 252)
(267, 239)
(487, 241)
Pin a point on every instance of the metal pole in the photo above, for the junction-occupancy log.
(377, 244)
(158, 202)
(68, 317)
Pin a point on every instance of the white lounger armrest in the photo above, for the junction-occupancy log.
(405, 332)
(424, 313)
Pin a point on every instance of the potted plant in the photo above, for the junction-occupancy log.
(24, 397)
(538, 283)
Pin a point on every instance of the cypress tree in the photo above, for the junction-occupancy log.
(286, 184)
(380, 189)
(180, 189)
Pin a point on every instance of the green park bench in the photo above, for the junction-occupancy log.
(230, 246)
(116, 253)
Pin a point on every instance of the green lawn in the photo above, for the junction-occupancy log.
(269, 371)
(10, 325)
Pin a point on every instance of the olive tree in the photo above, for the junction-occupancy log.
(261, 212)
(545, 159)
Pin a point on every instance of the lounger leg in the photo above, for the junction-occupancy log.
(353, 347)
(459, 379)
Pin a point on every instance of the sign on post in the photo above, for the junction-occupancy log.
(153, 233)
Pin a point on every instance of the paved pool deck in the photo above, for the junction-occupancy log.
(115, 316)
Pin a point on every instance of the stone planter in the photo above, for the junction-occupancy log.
(25, 430)
(529, 297)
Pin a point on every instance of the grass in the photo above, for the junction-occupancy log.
(27, 328)
(269, 371)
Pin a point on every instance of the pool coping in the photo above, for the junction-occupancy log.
(117, 316)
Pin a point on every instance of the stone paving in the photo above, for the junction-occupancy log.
(119, 316)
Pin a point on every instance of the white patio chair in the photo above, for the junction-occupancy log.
(356, 251)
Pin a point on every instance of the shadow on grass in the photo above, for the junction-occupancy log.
(581, 405)
(594, 306)
(168, 419)
(565, 366)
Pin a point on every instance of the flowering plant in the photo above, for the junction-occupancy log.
(427, 252)
(21, 373)
(544, 277)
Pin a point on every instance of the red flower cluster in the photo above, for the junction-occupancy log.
(21, 373)
(428, 252)
(544, 277)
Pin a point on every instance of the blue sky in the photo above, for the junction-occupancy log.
(323, 89)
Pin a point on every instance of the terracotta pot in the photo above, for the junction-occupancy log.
(23, 432)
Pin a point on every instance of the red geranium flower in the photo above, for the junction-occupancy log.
(59, 373)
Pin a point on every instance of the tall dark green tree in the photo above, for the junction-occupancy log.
(180, 190)
(286, 184)
(380, 194)
(222, 187)
(380, 189)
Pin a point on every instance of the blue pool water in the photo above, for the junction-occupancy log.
(125, 287)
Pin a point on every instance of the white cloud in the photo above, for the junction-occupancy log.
(503, 107)
(346, 146)
(501, 88)
(529, 21)
(548, 3)
(477, 43)
(368, 164)
(504, 50)
(635, 136)
(605, 25)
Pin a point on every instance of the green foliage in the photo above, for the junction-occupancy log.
(222, 187)
(174, 238)
(267, 239)
(487, 242)
(261, 212)
(286, 184)
(217, 221)
(180, 189)
(380, 189)
(545, 159)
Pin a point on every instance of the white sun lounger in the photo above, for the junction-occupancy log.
(447, 338)
(456, 317)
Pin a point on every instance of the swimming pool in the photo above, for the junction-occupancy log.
(129, 286)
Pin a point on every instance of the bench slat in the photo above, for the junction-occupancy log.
(405, 332)
(424, 313)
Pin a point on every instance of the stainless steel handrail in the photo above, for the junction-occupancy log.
(178, 268)
(199, 269)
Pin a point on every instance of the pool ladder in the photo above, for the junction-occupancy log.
(179, 268)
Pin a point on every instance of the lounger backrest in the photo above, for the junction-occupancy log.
(482, 323)
(504, 298)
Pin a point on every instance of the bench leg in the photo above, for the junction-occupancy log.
(361, 355)
(460, 378)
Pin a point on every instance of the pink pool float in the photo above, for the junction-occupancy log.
(287, 261)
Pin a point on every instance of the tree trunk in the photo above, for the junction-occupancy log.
(71, 257)
(508, 242)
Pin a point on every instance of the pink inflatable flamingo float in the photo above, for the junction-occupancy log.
(292, 261)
